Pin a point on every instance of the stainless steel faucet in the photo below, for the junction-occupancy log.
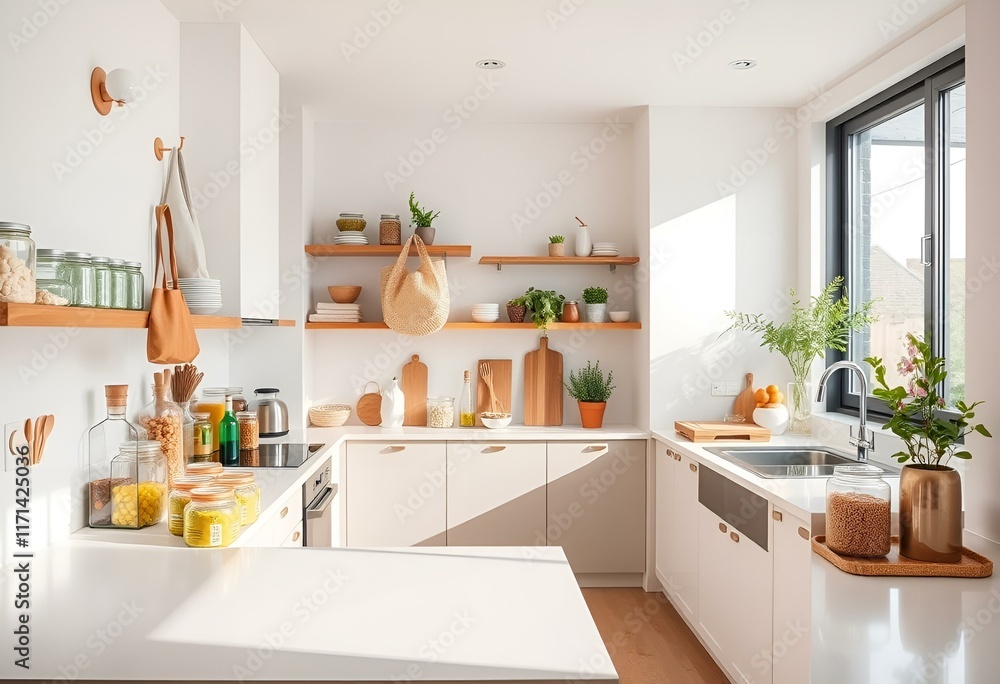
(865, 441)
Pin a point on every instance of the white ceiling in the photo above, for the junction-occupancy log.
(605, 56)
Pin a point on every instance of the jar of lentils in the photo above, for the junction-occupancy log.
(17, 263)
(390, 230)
(858, 518)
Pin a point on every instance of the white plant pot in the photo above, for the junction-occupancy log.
(595, 312)
(774, 419)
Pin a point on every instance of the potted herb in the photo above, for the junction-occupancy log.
(545, 306)
(591, 389)
(596, 299)
(825, 323)
(557, 246)
(421, 219)
(930, 491)
(516, 309)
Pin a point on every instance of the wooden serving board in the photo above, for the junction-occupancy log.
(972, 564)
(414, 386)
(708, 431)
(543, 386)
(745, 403)
(369, 408)
(503, 379)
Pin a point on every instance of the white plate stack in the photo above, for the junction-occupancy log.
(330, 312)
(203, 295)
(485, 313)
(605, 249)
(350, 237)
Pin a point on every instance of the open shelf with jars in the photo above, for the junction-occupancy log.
(41, 316)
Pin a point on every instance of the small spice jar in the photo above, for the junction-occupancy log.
(570, 313)
(212, 518)
(135, 298)
(180, 497)
(202, 434)
(17, 263)
(119, 284)
(858, 518)
(239, 402)
(249, 430)
(79, 272)
(441, 412)
(213, 468)
(390, 230)
(247, 494)
(102, 281)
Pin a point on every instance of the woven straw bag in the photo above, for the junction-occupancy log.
(415, 303)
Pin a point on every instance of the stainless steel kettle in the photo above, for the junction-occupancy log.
(272, 413)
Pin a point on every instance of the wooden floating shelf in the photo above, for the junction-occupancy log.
(40, 315)
(501, 261)
(385, 250)
(471, 325)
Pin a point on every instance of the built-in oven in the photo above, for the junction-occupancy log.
(319, 495)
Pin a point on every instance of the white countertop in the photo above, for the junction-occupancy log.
(364, 433)
(127, 612)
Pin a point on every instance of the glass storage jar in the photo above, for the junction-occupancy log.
(858, 519)
(119, 284)
(180, 497)
(390, 230)
(239, 402)
(163, 422)
(247, 494)
(138, 497)
(202, 437)
(212, 518)
(135, 298)
(440, 412)
(17, 263)
(213, 468)
(79, 273)
(213, 402)
(48, 278)
(249, 430)
(102, 281)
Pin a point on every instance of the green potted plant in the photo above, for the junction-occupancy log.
(421, 220)
(545, 305)
(557, 246)
(596, 299)
(591, 389)
(516, 309)
(930, 491)
(826, 322)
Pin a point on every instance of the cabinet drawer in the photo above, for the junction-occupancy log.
(284, 520)
(295, 538)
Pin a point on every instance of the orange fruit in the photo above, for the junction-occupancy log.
(773, 405)
(773, 389)
(761, 404)
(761, 396)
(778, 398)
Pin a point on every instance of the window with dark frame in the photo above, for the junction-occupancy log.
(896, 223)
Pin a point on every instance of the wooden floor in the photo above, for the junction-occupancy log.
(648, 641)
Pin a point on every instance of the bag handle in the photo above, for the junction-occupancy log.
(163, 217)
(414, 239)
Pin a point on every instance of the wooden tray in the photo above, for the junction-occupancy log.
(972, 564)
(707, 431)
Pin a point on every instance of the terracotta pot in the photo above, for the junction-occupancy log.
(516, 313)
(930, 513)
(557, 249)
(592, 413)
(426, 233)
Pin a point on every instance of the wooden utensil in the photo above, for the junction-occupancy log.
(503, 372)
(745, 403)
(709, 431)
(36, 440)
(486, 373)
(414, 386)
(50, 422)
(29, 438)
(369, 406)
(543, 386)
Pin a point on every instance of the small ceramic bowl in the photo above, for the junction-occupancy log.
(774, 419)
(497, 423)
(344, 294)
(620, 316)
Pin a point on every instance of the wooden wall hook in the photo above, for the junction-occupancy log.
(159, 149)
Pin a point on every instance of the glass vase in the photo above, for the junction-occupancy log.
(800, 402)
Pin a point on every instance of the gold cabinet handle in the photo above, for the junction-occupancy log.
(677, 457)
(776, 515)
(804, 533)
(493, 449)
(693, 467)
(295, 537)
(284, 512)
(723, 528)
(735, 537)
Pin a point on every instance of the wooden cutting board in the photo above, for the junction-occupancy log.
(369, 408)
(414, 385)
(503, 374)
(543, 386)
(708, 431)
(745, 403)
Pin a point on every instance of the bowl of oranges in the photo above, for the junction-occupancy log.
(771, 411)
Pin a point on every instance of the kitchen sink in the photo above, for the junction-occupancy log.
(789, 462)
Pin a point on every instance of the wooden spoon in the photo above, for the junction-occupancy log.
(29, 436)
(49, 422)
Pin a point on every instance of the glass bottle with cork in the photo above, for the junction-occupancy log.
(466, 410)
(163, 421)
(229, 436)
(103, 444)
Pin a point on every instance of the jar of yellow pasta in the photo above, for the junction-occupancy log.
(180, 497)
(212, 518)
(139, 492)
(247, 494)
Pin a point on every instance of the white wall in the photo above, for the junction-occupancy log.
(722, 236)
(478, 178)
(100, 201)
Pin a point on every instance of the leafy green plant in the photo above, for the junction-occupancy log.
(518, 301)
(422, 218)
(545, 305)
(595, 295)
(825, 323)
(556, 239)
(590, 384)
(930, 437)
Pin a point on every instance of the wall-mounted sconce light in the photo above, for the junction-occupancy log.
(107, 89)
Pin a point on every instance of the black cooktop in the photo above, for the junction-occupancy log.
(277, 455)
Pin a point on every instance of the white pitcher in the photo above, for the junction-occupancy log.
(392, 406)
(583, 242)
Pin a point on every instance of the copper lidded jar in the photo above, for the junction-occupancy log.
(571, 313)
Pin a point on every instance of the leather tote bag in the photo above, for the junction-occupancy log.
(415, 303)
(170, 337)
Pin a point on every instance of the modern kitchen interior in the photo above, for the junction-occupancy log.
(534, 341)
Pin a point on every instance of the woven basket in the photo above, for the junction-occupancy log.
(415, 303)
(329, 415)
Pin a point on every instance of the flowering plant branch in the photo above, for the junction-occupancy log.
(930, 438)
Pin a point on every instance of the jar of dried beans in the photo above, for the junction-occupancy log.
(163, 422)
(249, 429)
(390, 230)
(858, 518)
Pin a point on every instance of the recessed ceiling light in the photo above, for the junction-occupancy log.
(743, 64)
(490, 64)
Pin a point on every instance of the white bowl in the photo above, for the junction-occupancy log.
(485, 319)
(620, 316)
(497, 423)
(774, 419)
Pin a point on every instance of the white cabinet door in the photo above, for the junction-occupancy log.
(684, 536)
(596, 498)
(665, 476)
(395, 494)
(792, 597)
(714, 609)
(496, 494)
(748, 637)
